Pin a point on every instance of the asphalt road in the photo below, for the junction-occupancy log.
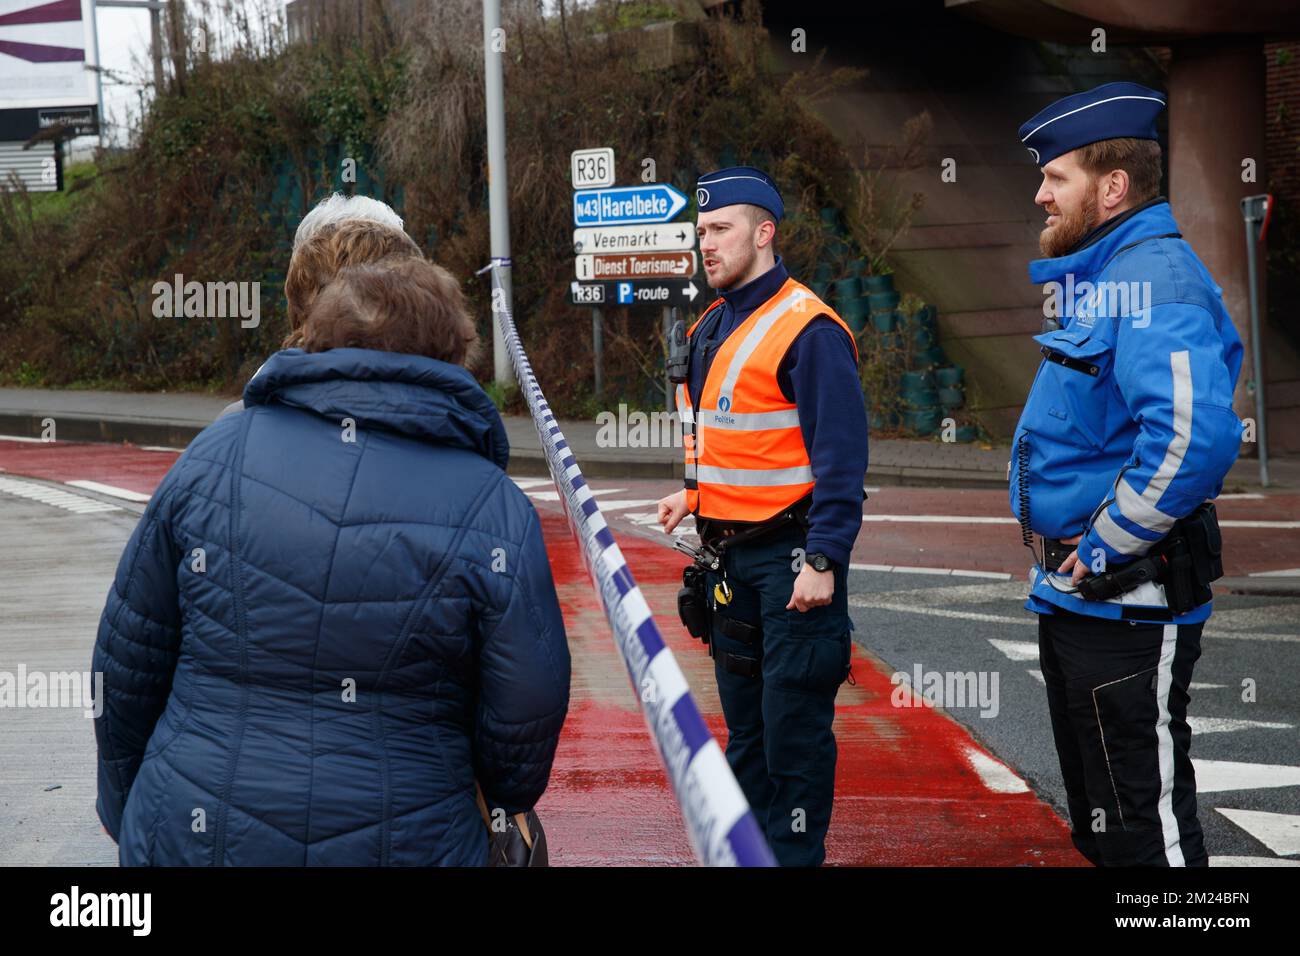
(964, 614)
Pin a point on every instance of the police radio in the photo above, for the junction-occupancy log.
(679, 349)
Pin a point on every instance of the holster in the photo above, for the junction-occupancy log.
(1193, 557)
(693, 602)
(1185, 562)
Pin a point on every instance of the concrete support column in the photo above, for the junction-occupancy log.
(1216, 121)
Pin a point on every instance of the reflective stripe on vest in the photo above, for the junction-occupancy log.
(744, 451)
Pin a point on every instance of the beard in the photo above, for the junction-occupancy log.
(1060, 239)
(732, 272)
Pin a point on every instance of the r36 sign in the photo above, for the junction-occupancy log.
(592, 168)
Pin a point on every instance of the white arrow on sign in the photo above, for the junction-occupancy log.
(659, 237)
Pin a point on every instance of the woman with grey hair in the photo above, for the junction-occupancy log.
(339, 231)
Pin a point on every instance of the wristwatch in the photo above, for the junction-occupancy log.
(818, 561)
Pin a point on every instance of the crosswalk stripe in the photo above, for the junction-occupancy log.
(111, 490)
(1217, 775)
(1280, 832)
(1220, 725)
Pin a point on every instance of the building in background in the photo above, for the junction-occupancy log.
(48, 91)
(980, 68)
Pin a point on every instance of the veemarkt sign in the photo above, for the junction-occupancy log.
(657, 202)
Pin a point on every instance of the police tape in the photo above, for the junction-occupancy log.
(721, 827)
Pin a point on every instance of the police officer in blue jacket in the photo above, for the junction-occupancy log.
(1127, 432)
(779, 628)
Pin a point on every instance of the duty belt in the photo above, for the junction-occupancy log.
(1055, 551)
(729, 533)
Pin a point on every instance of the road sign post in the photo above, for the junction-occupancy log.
(627, 249)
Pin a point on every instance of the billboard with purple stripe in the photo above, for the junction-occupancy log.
(719, 823)
(47, 54)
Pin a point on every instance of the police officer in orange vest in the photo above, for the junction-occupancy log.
(775, 434)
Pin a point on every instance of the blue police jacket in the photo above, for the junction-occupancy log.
(1129, 423)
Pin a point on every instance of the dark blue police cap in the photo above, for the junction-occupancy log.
(1111, 111)
(738, 184)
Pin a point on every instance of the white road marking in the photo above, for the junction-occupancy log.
(1033, 621)
(1220, 725)
(78, 504)
(530, 482)
(1280, 832)
(995, 775)
(1215, 776)
(1288, 573)
(1017, 650)
(1197, 685)
(943, 612)
(1250, 861)
(1038, 676)
(942, 519)
(24, 438)
(595, 492)
(111, 490)
(1259, 524)
(651, 519)
(160, 448)
(618, 504)
(987, 519)
(955, 572)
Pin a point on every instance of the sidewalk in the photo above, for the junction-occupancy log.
(173, 419)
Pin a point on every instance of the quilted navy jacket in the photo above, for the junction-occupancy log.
(335, 614)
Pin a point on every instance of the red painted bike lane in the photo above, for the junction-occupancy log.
(912, 786)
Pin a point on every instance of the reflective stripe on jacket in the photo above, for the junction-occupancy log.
(745, 453)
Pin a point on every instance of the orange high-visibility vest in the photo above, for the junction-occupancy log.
(745, 455)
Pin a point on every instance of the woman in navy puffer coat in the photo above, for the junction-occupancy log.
(318, 640)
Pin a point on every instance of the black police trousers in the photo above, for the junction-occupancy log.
(1118, 693)
(778, 693)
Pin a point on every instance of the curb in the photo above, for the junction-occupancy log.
(1259, 587)
(525, 463)
(162, 431)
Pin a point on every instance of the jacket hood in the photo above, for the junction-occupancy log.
(424, 398)
(1155, 220)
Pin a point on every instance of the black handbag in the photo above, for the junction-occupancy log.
(514, 841)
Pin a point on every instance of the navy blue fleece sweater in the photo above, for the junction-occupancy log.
(820, 375)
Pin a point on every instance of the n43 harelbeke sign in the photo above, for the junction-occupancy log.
(657, 202)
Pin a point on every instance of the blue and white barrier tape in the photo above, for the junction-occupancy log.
(719, 822)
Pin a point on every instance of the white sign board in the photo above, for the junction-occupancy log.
(592, 168)
(656, 237)
(46, 50)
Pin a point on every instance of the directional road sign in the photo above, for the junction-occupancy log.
(655, 202)
(592, 168)
(661, 237)
(681, 292)
(639, 265)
